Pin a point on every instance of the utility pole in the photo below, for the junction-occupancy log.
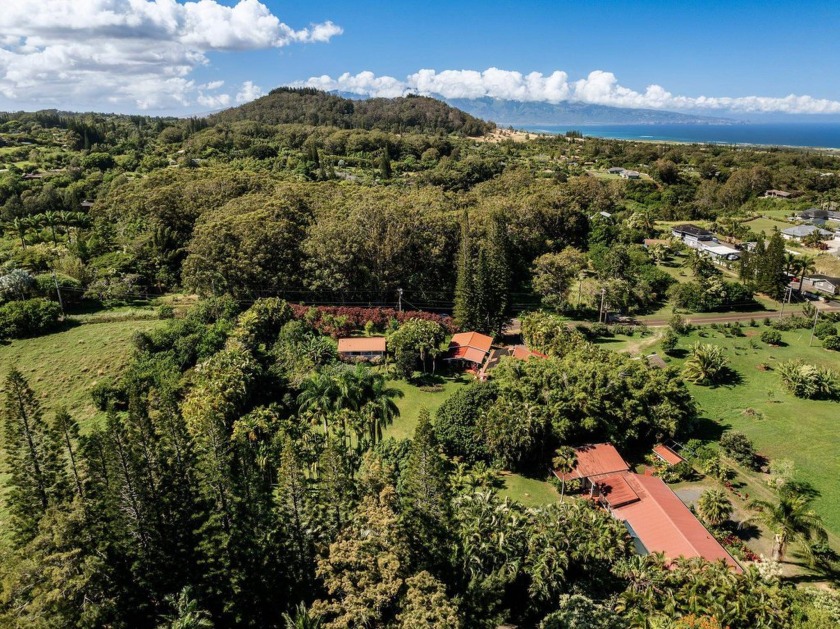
(399, 299)
(601, 312)
(814, 327)
(58, 292)
(786, 298)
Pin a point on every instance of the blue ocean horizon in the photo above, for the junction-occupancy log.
(823, 135)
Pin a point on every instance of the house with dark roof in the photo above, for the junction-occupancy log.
(692, 235)
(361, 348)
(820, 285)
(813, 213)
(801, 232)
(630, 174)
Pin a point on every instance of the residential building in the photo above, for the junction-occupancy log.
(630, 174)
(692, 235)
(666, 454)
(470, 347)
(777, 194)
(800, 232)
(362, 348)
(820, 285)
(658, 521)
(719, 252)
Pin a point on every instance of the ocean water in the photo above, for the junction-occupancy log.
(805, 134)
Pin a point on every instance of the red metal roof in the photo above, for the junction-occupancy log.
(470, 346)
(362, 345)
(520, 352)
(600, 459)
(666, 454)
(616, 491)
(664, 524)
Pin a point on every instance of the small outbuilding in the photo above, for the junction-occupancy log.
(361, 348)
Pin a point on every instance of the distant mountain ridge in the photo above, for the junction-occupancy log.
(510, 112)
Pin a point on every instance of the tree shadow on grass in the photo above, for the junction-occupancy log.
(707, 429)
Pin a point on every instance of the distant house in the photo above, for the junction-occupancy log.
(86, 204)
(819, 285)
(813, 213)
(630, 174)
(803, 231)
(469, 347)
(615, 170)
(361, 348)
(777, 194)
(692, 235)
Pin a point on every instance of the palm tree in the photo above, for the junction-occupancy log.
(300, 619)
(714, 507)
(564, 461)
(187, 613)
(50, 219)
(706, 364)
(804, 266)
(22, 226)
(381, 400)
(792, 520)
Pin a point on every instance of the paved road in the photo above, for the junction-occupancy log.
(758, 315)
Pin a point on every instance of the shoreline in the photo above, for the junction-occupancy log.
(752, 145)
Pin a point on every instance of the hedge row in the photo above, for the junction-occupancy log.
(339, 321)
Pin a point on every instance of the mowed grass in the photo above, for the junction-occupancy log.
(781, 425)
(527, 491)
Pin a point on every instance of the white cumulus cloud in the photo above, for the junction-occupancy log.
(130, 53)
(599, 87)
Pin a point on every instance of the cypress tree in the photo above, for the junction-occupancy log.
(424, 489)
(465, 306)
(38, 479)
(67, 431)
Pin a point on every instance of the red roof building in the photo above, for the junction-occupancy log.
(362, 347)
(667, 454)
(593, 461)
(472, 347)
(659, 521)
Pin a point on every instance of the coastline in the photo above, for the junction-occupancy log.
(559, 130)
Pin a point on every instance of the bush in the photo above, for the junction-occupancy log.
(738, 446)
(669, 341)
(771, 337)
(166, 311)
(809, 381)
(679, 325)
(824, 329)
(831, 342)
(71, 288)
(32, 317)
(106, 394)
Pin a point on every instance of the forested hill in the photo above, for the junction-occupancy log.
(313, 107)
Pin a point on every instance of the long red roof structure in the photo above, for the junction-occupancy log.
(660, 521)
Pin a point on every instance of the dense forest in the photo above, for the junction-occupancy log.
(239, 474)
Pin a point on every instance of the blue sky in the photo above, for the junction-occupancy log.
(178, 56)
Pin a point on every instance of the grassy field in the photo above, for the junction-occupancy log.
(781, 425)
(63, 367)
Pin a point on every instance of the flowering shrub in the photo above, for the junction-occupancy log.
(339, 321)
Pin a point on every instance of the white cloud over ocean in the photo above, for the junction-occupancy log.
(599, 87)
(134, 53)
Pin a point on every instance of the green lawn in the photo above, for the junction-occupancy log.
(781, 425)
(529, 492)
